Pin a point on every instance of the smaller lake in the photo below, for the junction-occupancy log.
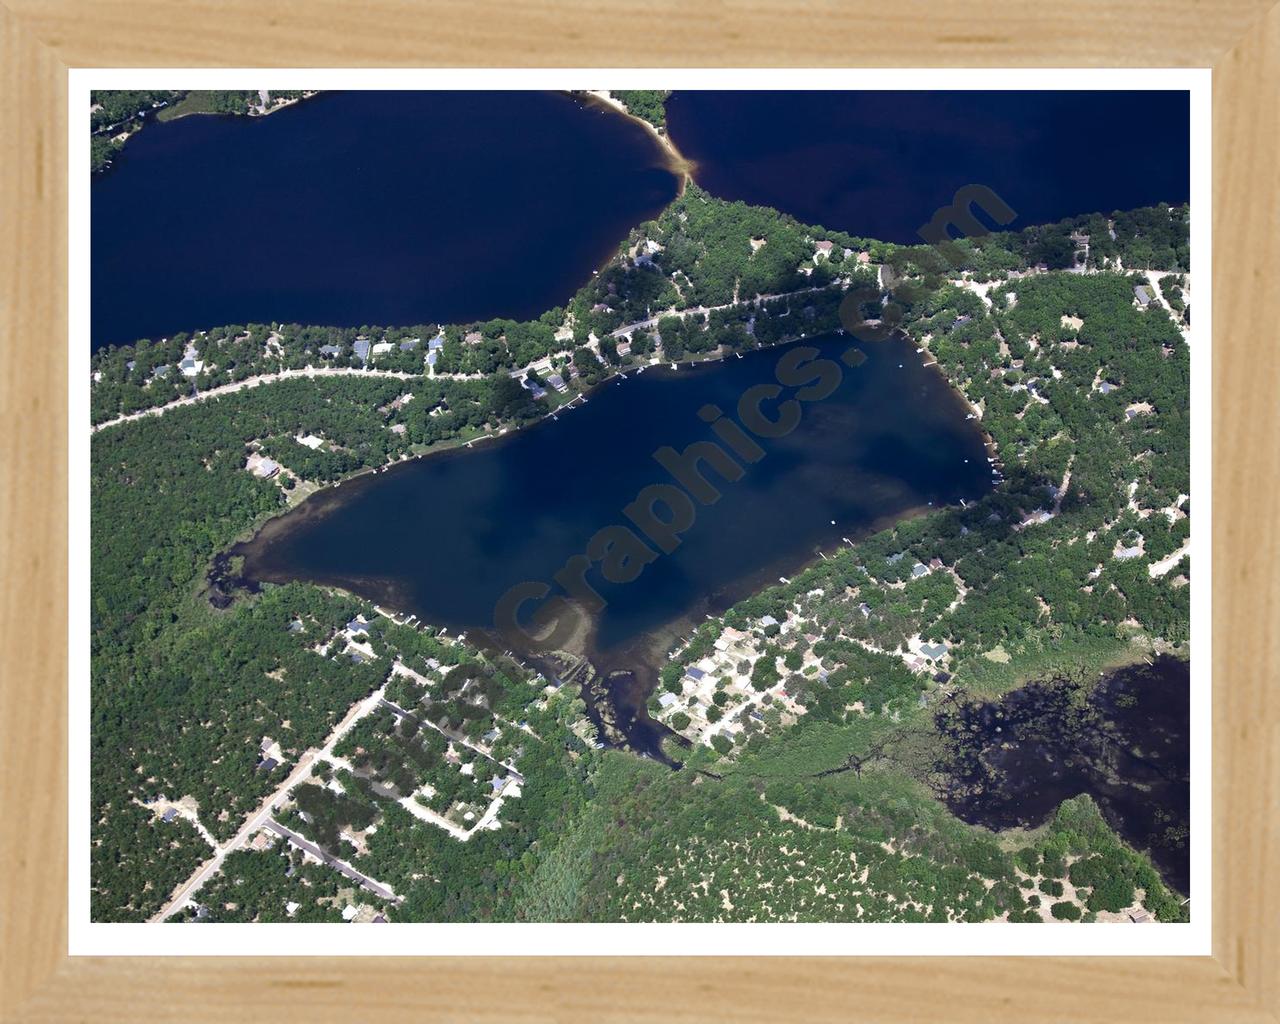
(446, 535)
(357, 208)
(1013, 761)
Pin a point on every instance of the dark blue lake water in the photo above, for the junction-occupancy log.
(880, 164)
(447, 535)
(366, 208)
(416, 207)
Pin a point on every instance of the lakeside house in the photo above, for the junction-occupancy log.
(190, 365)
(362, 347)
(934, 651)
(409, 344)
(261, 466)
(329, 351)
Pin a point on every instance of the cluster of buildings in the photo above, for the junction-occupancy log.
(727, 669)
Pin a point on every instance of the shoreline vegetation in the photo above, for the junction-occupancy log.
(115, 116)
(1056, 563)
(645, 108)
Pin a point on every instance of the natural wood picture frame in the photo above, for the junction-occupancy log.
(41, 39)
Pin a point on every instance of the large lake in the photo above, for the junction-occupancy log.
(445, 536)
(398, 208)
(880, 164)
(367, 208)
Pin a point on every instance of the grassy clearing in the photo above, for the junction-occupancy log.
(1039, 658)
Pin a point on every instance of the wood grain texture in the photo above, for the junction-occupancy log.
(1246, 429)
(658, 33)
(33, 520)
(39, 39)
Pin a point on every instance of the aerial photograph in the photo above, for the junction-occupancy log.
(639, 506)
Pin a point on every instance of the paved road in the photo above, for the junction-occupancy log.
(253, 382)
(457, 738)
(754, 301)
(374, 886)
(262, 815)
(346, 371)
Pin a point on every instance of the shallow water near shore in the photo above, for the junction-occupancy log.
(445, 536)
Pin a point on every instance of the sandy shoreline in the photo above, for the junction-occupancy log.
(678, 163)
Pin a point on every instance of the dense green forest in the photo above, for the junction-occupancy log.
(117, 113)
(769, 841)
(649, 104)
(185, 693)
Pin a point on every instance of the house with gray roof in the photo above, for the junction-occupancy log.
(266, 468)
